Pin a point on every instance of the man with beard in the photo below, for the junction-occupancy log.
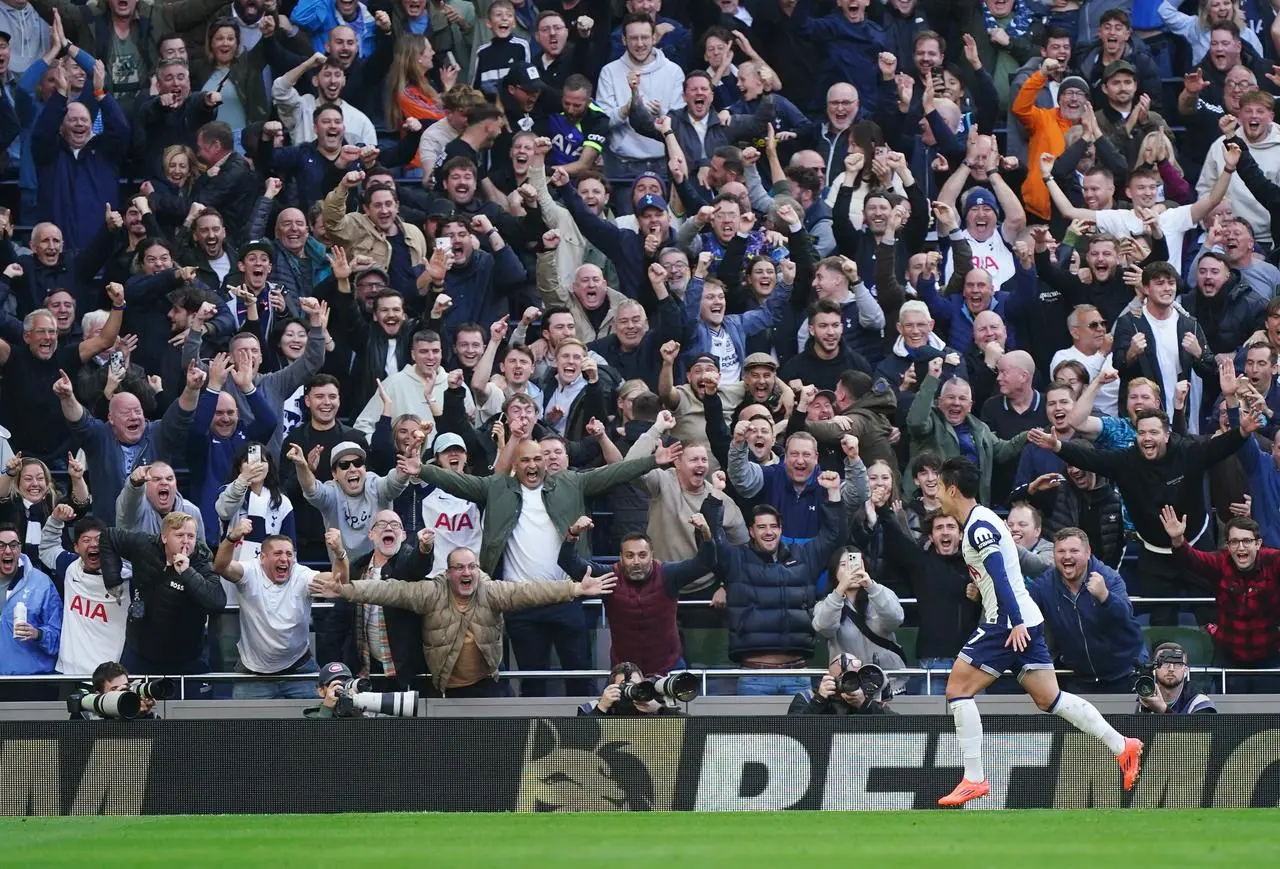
(1106, 290)
(172, 115)
(838, 279)
(1259, 368)
(33, 363)
(770, 588)
(673, 495)
(385, 643)
(484, 126)
(1213, 89)
(1046, 126)
(525, 519)
(297, 111)
(642, 609)
(1126, 117)
(275, 611)
(461, 617)
(1088, 614)
(174, 592)
(1245, 580)
(563, 55)
(366, 73)
(1158, 469)
(28, 646)
(350, 500)
(1175, 693)
(579, 131)
(826, 355)
(477, 283)
(206, 249)
(377, 231)
(1227, 308)
(138, 222)
(92, 619)
(126, 441)
(30, 278)
(1256, 120)
(319, 164)
(460, 187)
(319, 434)
(1116, 45)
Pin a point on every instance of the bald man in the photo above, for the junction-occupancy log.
(78, 170)
(588, 296)
(990, 341)
(1017, 408)
(954, 314)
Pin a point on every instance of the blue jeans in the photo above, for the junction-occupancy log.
(772, 686)
(260, 689)
(937, 682)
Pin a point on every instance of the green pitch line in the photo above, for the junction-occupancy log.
(1030, 839)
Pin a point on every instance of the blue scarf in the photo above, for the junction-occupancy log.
(1019, 24)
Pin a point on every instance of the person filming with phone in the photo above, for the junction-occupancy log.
(859, 615)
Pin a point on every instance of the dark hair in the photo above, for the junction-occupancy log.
(698, 73)
(634, 535)
(1116, 15)
(218, 133)
(1244, 523)
(554, 438)
(324, 380)
(825, 306)
(805, 178)
(1151, 413)
(731, 156)
(386, 293)
(963, 474)
(1053, 31)
(459, 162)
(1059, 386)
(593, 175)
(1159, 270)
(646, 406)
(87, 525)
(856, 383)
(931, 518)
(518, 348)
(148, 243)
(325, 107)
(927, 459)
(467, 327)
(1228, 26)
(272, 481)
(635, 18)
(105, 672)
(552, 310)
(271, 538)
(1069, 532)
(765, 510)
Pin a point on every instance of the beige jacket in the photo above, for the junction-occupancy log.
(444, 627)
(556, 288)
(360, 235)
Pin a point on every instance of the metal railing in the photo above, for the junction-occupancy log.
(1219, 675)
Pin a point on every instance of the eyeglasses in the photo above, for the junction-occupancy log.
(347, 464)
(1237, 542)
(388, 523)
(13, 545)
(1097, 324)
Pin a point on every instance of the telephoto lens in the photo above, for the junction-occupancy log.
(113, 704)
(677, 686)
(401, 704)
(155, 689)
(638, 692)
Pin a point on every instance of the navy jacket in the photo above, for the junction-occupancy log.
(771, 597)
(74, 187)
(1097, 640)
(850, 50)
(211, 458)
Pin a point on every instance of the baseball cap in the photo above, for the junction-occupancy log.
(525, 77)
(374, 270)
(1075, 81)
(334, 672)
(441, 208)
(705, 357)
(4, 34)
(346, 448)
(760, 359)
(262, 245)
(1118, 66)
(827, 394)
(447, 441)
(651, 200)
(655, 176)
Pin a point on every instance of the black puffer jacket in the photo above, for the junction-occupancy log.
(1096, 511)
(771, 597)
(1230, 316)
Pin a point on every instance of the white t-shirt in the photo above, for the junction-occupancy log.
(456, 523)
(534, 549)
(1174, 223)
(222, 267)
(730, 365)
(993, 255)
(1108, 399)
(1168, 345)
(275, 619)
(93, 622)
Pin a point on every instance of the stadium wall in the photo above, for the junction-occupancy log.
(585, 764)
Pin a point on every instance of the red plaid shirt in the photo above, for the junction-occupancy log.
(1248, 627)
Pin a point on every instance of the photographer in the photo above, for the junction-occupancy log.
(612, 702)
(829, 700)
(1174, 694)
(110, 676)
(329, 687)
(859, 615)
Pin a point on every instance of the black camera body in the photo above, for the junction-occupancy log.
(869, 679)
(345, 707)
(1144, 680)
(674, 687)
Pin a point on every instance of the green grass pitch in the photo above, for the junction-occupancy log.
(1099, 839)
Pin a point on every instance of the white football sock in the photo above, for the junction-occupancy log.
(969, 734)
(1086, 717)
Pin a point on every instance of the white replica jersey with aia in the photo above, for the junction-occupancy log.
(992, 558)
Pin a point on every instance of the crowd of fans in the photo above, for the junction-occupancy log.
(693, 296)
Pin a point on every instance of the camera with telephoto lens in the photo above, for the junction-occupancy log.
(1144, 680)
(681, 687)
(869, 679)
(158, 690)
(123, 704)
(354, 698)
